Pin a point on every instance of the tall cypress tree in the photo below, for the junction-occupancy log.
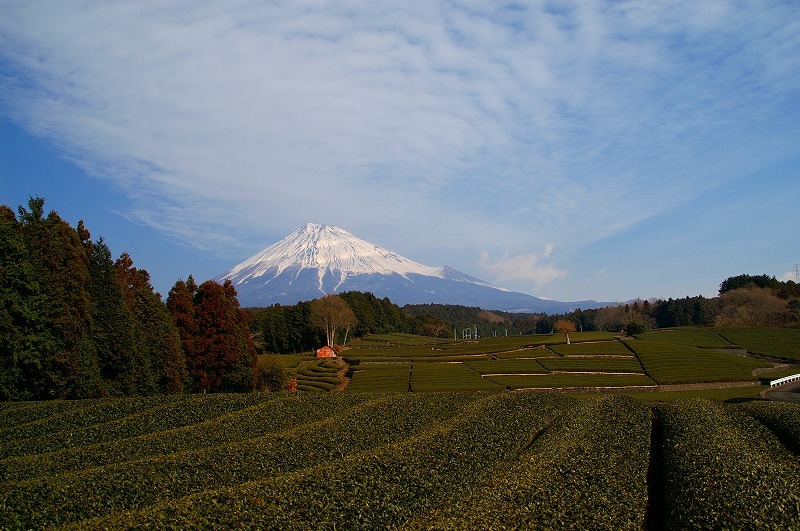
(241, 375)
(18, 362)
(180, 303)
(157, 362)
(163, 343)
(55, 356)
(223, 354)
(113, 332)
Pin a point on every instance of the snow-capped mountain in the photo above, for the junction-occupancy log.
(316, 260)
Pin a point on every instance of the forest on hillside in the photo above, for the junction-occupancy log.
(75, 323)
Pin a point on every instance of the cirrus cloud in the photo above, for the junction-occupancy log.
(230, 124)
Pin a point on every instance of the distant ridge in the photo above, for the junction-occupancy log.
(316, 260)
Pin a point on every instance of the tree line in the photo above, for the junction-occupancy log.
(744, 301)
(75, 323)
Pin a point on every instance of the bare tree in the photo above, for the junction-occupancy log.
(330, 313)
(564, 326)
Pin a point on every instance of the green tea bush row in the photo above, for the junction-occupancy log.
(630, 365)
(670, 363)
(725, 470)
(568, 381)
(378, 488)
(507, 366)
(587, 470)
(777, 342)
(689, 336)
(533, 352)
(84, 415)
(448, 376)
(380, 377)
(783, 418)
(13, 414)
(263, 418)
(600, 348)
(173, 412)
(72, 497)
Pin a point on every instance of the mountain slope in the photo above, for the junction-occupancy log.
(319, 259)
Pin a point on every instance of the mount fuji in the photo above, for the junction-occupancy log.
(316, 260)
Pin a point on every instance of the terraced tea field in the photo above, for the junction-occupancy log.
(422, 460)
(597, 360)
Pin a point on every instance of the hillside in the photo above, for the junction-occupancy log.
(696, 358)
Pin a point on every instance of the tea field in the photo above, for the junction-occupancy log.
(425, 434)
(599, 361)
(421, 460)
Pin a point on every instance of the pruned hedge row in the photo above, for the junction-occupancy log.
(261, 419)
(586, 470)
(672, 363)
(358, 425)
(382, 487)
(111, 419)
(780, 417)
(434, 460)
(722, 469)
(776, 342)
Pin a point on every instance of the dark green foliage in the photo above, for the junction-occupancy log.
(157, 363)
(74, 324)
(286, 329)
(684, 312)
(635, 328)
(113, 322)
(271, 375)
(725, 470)
(404, 460)
(17, 285)
(374, 316)
(780, 417)
(47, 350)
(742, 281)
(449, 316)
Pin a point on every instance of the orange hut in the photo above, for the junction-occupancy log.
(326, 352)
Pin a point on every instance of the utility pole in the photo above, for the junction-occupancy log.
(797, 273)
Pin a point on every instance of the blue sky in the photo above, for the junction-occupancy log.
(571, 150)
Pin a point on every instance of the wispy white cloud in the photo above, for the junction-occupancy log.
(228, 121)
(532, 268)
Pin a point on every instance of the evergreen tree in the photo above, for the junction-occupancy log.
(181, 308)
(19, 364)
(48, 353)
(242, 375)
(157, 362)
(113, 331)
(164, 345)
(58, 251)
(223, 355)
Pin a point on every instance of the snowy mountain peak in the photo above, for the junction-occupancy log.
(316, 260)
(326, 248)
